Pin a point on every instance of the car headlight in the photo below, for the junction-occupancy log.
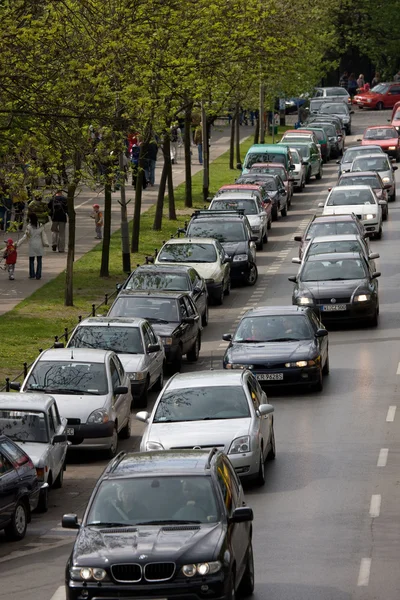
(87, 574)
(138, 376)
(392, 147)
(304, 363)
(240, 257)
(304, 300)
(206, 568)
(99, 416)
(238, 366)
(397, 127)
(369, 99)
(167, 341)
(386, 179)
(370, 216)
(362, 298)
(239, 445)
(154, 446)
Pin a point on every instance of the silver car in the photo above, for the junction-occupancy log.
(223, 409)
(140, 350)
(351, 153)
(299, 172)
(380, 163)
(339, 243)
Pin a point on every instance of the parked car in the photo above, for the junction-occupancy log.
(282, 345)
(330, 225)
(267, 153)
(175, 525)
(374, 180)
(174, 318)
(339, 287)
(386, 137)
(247, 185)
(176, 277)
(383, 95)
(138, 347)
(208, 258)
(351, 153)
(274, 188)
(311, 157)
(395, 120)
(359, 200)
(333, 94)
(341, 110)
(33, 422)
(277, 169)
(322, 140)
(92, 392)
(19, 489)
(209, 409)
(252, 206)
(336, 136)
(380, 163)
(299, 172)
(232, 229)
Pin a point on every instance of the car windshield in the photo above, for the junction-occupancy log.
(158, 281)
(368, 163)
(383, 133)
(295, 156)
(154, 500)
(223, 231)
(334, 109)
(188, 252)
(298, 139)
(248, 206)
(68, 377)
(352, 153)
(206, 403)
(24, 425)
(303, 150)
(124, 340)
(381, 88)
(333, 270)
(161, 310)
(264, 157)
(330, 130)
(268, 182)
(273, 328)
(361, 180)
(320, 135)
(334, 246)
(333, 228)
(315, 105)
(278, 170)
(349, 197)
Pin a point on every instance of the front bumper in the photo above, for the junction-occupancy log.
(138, 387)
(91, 435)
(245, 464)
(290, 375)
(170, 352)
(214, 289)
(353, 312)
(371, 226)
(240, 269)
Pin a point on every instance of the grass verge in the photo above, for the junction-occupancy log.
(34, 322)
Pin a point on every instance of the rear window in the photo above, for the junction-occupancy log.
(248, 206)
(264, 157)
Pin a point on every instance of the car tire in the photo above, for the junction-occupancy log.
(176, 364)
(260, 245)
(319, 386)
(16, 529)
(246, 586)
(141, 401)
(274, 213)
(204, 318)
(269, 224)
(308, 176)
(398, 157)
(227, 290)
(375, 319)
(159, 384)
(113, 449)
(231, 595)
(392, 197)
(348, 131)
(252, 275)
(265, 236)
(193, 354)
(325, 370)
(260, 479)
(219, 300)
(380, 106)
(43, 504)
(60, 479)
(385, 215)
(284, 212)
(319, 174)
(378, 235)
(272, 450)
(125, 432)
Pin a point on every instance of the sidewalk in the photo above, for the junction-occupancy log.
(13, 292)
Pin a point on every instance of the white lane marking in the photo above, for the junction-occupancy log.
(390, 414)
(375, 506)
(365, 569)
(43, 548)
(60, 594)
(382, 458)
(398, 369)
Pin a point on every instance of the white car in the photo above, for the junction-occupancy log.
(92, 392)
(298, 174)
(360, 200)
(223, 409)
(207, 256)
(251, 204)
(33, 422)
(140, 350)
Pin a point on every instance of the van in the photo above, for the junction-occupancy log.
(267, 153)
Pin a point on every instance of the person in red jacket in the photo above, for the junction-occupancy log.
(10, 256)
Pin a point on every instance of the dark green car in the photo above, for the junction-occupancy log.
(311, 157)
(323, 141)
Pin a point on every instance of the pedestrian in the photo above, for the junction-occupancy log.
(352, 85)
(396, 78)
(58, 208)
(198, 140)
(152, 152)
(97, 215)
(376, 79)
(10, 256)
(39, 207)
(176, 141)
(360, 81)
(36, 236)
(344, 80)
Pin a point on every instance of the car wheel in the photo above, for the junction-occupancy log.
(374, 320)
(319, 174)
(308, 176)
(43, 504)
(392, 197)
(246, 587)
(260, 479)
(398, 157)
(260, 245)
(204, 318)
(220, 299)
(231, 595)
(60, 478)
(269, 225)
(193, 354)
(176, 364)
(125, 432)
(17, 528)
(318, 387)
(265, 236)
(349, 131)
(284, 212)
(253, 275)
(159, 384)
(274, 213)
(299, 188)
(141, 401)
(112, 451)
(385, 215)
(379, 234)
(272, 449)
(228, 288)
(380, 106)
(325, 370)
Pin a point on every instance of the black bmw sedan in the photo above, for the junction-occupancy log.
(281, 345)
(339, 287)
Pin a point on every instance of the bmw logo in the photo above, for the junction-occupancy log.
(333, 300)
(142, 556)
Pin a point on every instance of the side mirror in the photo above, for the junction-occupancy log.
(15, 385)
(226, 260)
(227, 337)
(321, 204)
(239, 166)
(121, 389)
(298, 238)
(352, 112)
(59, 345)
(321, 333)
(242, 514)
(143, 416)
(70, 522)
(59, 439)
(265, 409)
(296, 261)
(118, 287)
(376, 274)
(293, 278)
(374, 255)
(188, 320)
(153, 348)
(282, 192)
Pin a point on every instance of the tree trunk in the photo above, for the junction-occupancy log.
(69, 274)
(160, 198)
(206, 182)
(237, 136)
(257, 131)
(232, 143)
(261, 114)
(171, 195)
(105, 250)
(188, 156)
(126, 256)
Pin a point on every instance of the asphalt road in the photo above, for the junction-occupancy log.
(326, 522)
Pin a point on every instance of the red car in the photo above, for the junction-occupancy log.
(395, 120)
(385, 136)
(383, 95)
(276, 169)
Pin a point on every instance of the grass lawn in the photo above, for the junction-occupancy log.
(34, 322)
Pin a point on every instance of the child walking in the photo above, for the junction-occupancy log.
(10, 256)
(98, 221)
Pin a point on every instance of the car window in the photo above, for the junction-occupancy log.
(193, 277)
(141, 280)
(115, 378)
(56, 415)
(355, 196)
(126, 340)
(150, 308)
(248, 205)
(188, 252)
(394, 90)
(253, 393)
(147, 339)
(18, 458)
(183, 308)
(314, 321)
(225, 485)
(149, 331)
(24, 425)
(191, 311)
(334, 270)
(220, 229)
(68, 377)
(233, 481)
(52, 425)
(5, 465)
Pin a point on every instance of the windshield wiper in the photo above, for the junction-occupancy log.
(249, 341)
(284, 339)
(168, 522)
(154, 320)
(108, 524)
(71, 391)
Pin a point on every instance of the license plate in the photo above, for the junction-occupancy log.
(333, 307)
(270, 376)
(70, 431)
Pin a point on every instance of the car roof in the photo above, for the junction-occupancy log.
(240, 186)
(364, 148)
(160, 464)
(359, 174)
(112, 321)
(337, 217)
(21, 401)
(261, 311)
(388, 126)
(163, 268)
(264, 147)
(226, 215)
(336, 255)
(152, 293)
(344, 188)
(348, 237)
(236, 194)
(87, 355)
(196, 379)
(372, 155)
(189, 240)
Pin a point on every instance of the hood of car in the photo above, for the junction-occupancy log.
(78, 406)
(254, 220)
(348, 209)
(232, 248)
(164, 329)
(203, 269)
(132, 362)
(364, 95)
(261, 353)
(329, 289)
(36, 451)
(187, 434)
(144, 544)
